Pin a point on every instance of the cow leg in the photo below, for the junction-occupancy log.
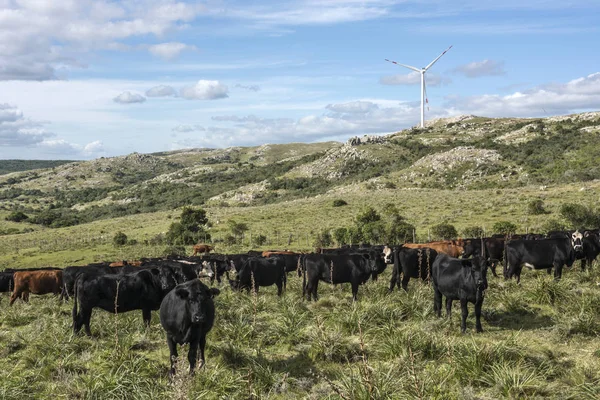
(193, 355)
(437, 301)
(25, 296)
(147, 316)
(279, 287)
(86, 317)
(405, 280)
(448, 307)
(16, 294)
(557, 271)
(493, 267)
(202, 346)
(549, 271)
(465, 314)
(478, 316)
(314, 290)
(173, 354)
(583, 261)
(394, 279)
(355, 291)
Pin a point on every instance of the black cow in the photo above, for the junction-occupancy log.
(71, 273)
(264, 272)
(238, 260)
(187, 314)
(410, 263)
(333, 268)
(591, 249)
(493, 250)
(7, 282)
(142, 290)
(541, 254)
(459, 279)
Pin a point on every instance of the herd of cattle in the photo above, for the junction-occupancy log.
(456, 268)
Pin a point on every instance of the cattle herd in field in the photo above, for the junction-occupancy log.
(456, 268)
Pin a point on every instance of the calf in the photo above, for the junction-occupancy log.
(142, 290)
(257, 272)
(36, 282)
(591, 249)
(541, 254)
(410, 263)
(459, 279)
(187, 314)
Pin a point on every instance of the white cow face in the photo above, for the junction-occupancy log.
(387, 255)
(577, 241)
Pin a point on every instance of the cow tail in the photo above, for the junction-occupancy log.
(75, 300)
(302, 270)
(428, 252)
(420, 261)
(396, 254)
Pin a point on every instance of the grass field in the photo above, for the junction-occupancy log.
(540, 341)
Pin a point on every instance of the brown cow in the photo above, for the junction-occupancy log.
(268, 253)
(124, 263)
(36, 282)
(453, 248)
(202, 248)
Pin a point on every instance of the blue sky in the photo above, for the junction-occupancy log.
(76, 75)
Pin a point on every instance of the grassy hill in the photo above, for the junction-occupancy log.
(541, 340)
(8, 166)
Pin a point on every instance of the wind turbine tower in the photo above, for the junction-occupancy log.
(422, 72)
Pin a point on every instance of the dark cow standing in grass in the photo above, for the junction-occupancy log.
(338, 268)
(36, 282)
(410, 263)
(187, 314)
(493, 250)
(459, 279)
(257, 272)
(142, 290)
(541, 254)
(591, 249)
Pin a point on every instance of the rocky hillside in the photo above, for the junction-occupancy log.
(464, 152)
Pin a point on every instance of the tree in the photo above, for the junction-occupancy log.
(190, 229)
(323, 239)
(373, 232)
(340, 235)
(536, 207)
(120, 239)
(192, 219)
(399, 232)
(579, 216)
(237, 229)
(259, 240)
(506, 228)
(367, 215)
(444, 231)
(553, 225)
(473, 232)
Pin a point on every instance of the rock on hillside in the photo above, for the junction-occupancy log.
(331, 165)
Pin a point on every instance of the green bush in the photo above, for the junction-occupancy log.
(504, 228)
(339, 203)
(120, 239)
(367, 215)
(190, 229)
(578, 215)
(473, 232)
(323, 239)
(536, 207)
(17, 216)
(237, 228)
(259, 240)
(444, 231)
(341, 236)
(173, 251)
(553, 225)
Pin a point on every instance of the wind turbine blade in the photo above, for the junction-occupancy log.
(402, 65)
(438, 57)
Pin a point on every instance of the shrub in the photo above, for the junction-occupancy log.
(230, 240)
(323, 239)
(339, 203)
(373, 232)
(17, 216)
(444, 231)
(578, 215)
(259, 240)
(473, 232)
(340, 235)
(536, 207)
(399, 232)
(120, 239)
(553, 225)
(174, 251)
(190, 229)
(504, 228)
(237, 228)
(366, 216)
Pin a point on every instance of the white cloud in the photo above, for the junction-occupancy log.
(17, 131)
(94, 147)
(169, 51)
(129, 98)
(353, 107)
(39, 37)
(414, 78)
(477, 69)
(560, 98)
(188, 128)
(252, 88)
(205, 90)
(161, 91)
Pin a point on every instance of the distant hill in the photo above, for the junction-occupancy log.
(8, 166)
(464, 152)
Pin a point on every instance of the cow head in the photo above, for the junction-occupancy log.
(207, 270)
(577, 241)
(388, 255)
(166, 277)
(197, 298)
(479, 267)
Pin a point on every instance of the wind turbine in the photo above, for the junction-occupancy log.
(422, 72)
